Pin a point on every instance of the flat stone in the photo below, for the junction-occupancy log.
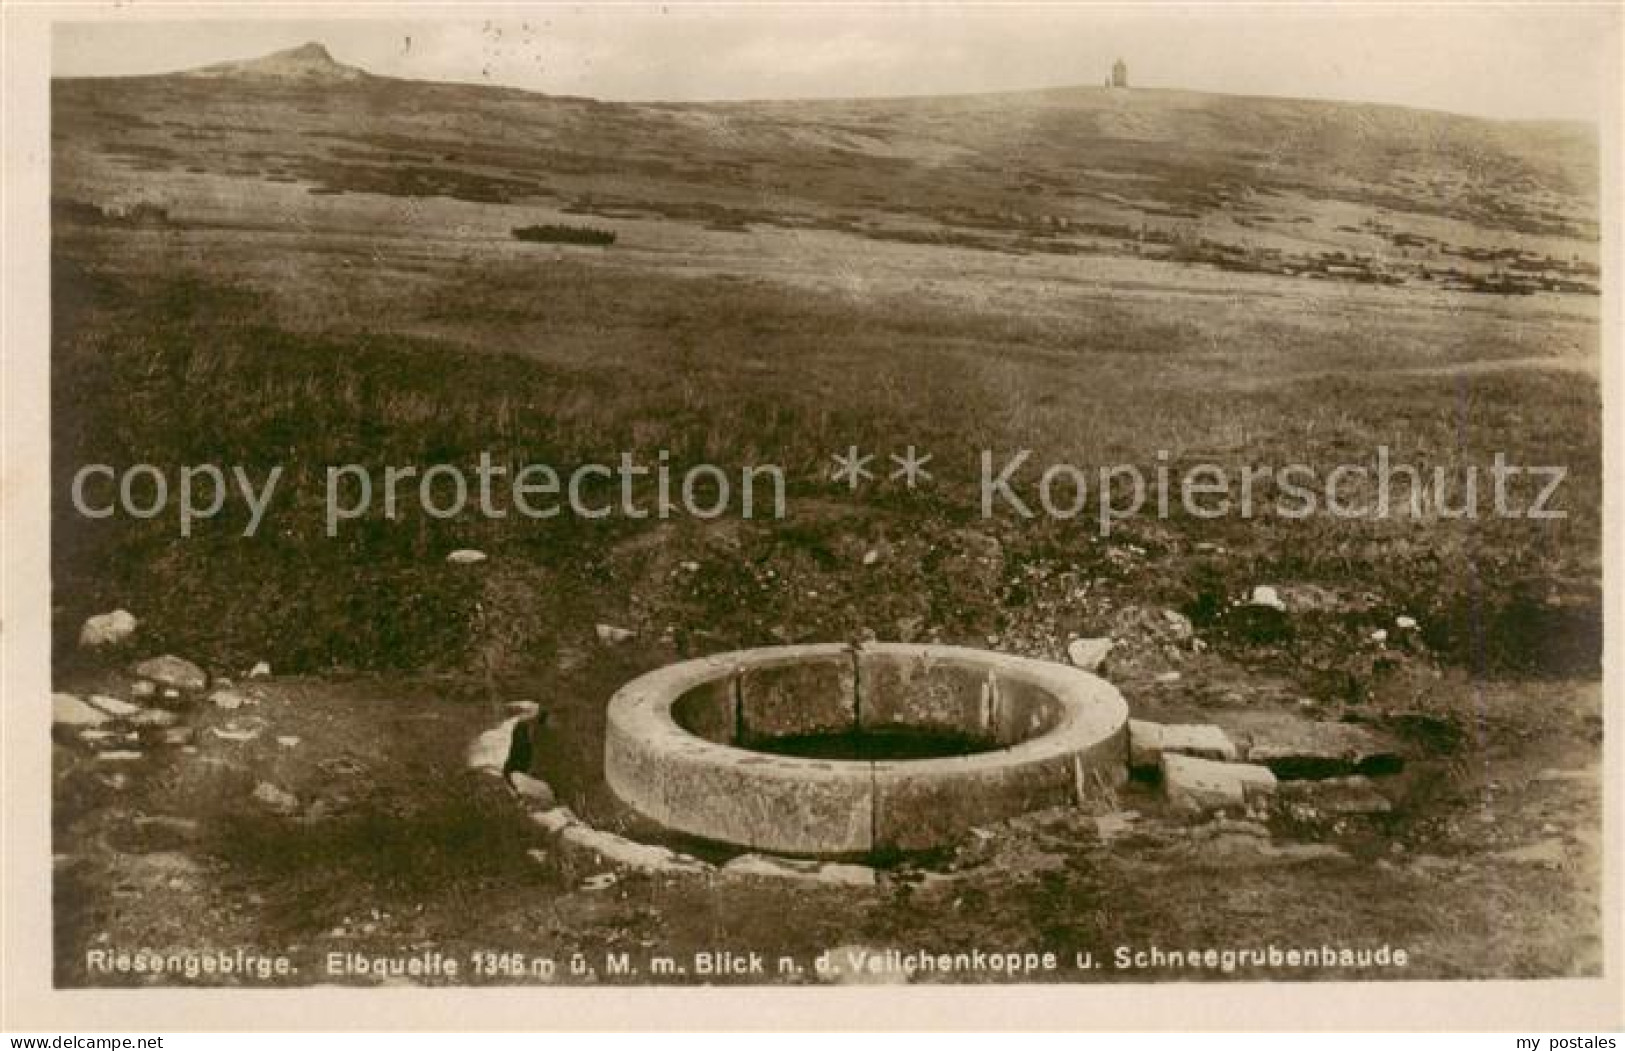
(108, 629)
(113, 706)
(153, 717)
(235, 735)
(533, 789)
(832, 873)
(1088, 654)
(1148, 742)
(122, 755)
(1323, 749)
(489, 751)
(171, 672)
(68, 710)
(260, 670)
(555, 820)
(1201, 785)
(641, 857)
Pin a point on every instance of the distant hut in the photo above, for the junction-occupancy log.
(1119, 74)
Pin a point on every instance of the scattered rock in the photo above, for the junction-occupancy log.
(602, 881)
(177, 736)
(230, 700)
(1338, 795)
(1168, 677)
(153, 717)
(143, 690)
(108, 629)
(466, 556)
(274, 798)
(610, 635)
(113, 706)
(537, 855)
(531, 788)
(870, 557)
(1405, 623)
(68, 710)
(1149, 741)
(174, 673)
(237, 735)
(690, 567)
(1201, 785)
(1267, 596)
(120, 755)
(288, 741)
(1380, 635)
(1109, 826)
(1323, 749)
(1088, 654)
(260, 670)
(833, 873)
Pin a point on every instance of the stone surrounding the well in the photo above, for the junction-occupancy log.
(274, 798)
(535, 790)
(1265, 595)
(1337, 795)
(466, 556)
(108, 629)
(1088, 654)
(610, 635)
(1201, 785)
(555, 820)
(830, 872)
(174, 673)
(113, 706)
(1323, 749)
(489, 751)
(68, 710)
(1148, 741)
(641, 857)
(810, 694)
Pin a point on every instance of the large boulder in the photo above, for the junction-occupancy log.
(108, 629)
(173, 673)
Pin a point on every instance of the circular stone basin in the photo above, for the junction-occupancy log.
(843, 750)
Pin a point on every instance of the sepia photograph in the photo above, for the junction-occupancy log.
(664, 496)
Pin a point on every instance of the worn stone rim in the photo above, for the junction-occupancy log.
(794, 805)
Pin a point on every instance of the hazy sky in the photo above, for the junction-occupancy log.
(1548, 60)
